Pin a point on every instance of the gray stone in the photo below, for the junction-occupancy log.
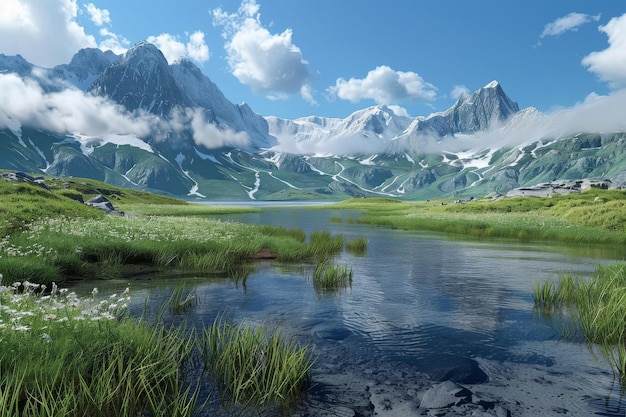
(446, 394)
(101, 202)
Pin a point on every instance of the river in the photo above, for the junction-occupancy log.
(420, 304)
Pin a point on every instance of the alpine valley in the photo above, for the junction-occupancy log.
(138, 122)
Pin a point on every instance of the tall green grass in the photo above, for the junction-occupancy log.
(328, 277)
(594, 309)
(255, 368)
(61, 355)
(323, 243)
(357, 246)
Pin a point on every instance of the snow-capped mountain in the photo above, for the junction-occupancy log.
(169, 128)
(85, 67)
(142, 80)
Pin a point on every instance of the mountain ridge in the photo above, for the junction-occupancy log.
(196, 143)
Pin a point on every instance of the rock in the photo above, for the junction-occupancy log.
(23, 177)
(549, 189)
(453, 368)
(446, 394)
(101, 202)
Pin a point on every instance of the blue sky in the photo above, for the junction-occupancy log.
(330, 58)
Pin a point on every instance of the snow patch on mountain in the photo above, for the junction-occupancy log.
(193, 191)
(89, 143)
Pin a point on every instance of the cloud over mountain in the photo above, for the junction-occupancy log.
(384, 85)
(271, 64)
(610, 64)
(64, 112)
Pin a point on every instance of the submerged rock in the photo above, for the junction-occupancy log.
(445, 395)
(452, 399)
(453, 368)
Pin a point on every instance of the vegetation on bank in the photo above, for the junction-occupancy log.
(594, 310)
(47, 237)
(593, 216)
(62, 355)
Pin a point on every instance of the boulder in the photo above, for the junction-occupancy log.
(101, 202)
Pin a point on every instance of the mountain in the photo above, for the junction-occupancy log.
(139, 122)
(85, 67)
(142, 80)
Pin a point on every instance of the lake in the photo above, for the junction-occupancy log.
(421, 305)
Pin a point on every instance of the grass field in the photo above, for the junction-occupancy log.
(594, 216)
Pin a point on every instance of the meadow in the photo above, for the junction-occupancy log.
(65, 355)
(591, 217)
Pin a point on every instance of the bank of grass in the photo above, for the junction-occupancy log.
(55, 239)
(181, 210)
(593, 309)
(61, 355)
(594, 216)
(54, 249)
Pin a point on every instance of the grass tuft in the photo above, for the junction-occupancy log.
(594, 309)
(357, 246)
(255, 368)
(329, 277)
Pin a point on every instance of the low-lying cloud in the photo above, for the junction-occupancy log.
(71, 111)
(63, 112)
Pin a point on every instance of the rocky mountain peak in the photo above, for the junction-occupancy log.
(481, 110)
(85, 67)
(142, 80)
(15, 64)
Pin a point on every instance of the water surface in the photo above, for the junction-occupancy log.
(418, 300)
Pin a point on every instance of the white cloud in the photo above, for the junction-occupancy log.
(596, 114)
(570, 22)
(173, 48)
(113, 42)
(270, 64)
(197, 48)
(99, 17)
(385, 86)
(610, 64)
(44, 32)
(67, 111)
(459, 91)
(211, 136)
